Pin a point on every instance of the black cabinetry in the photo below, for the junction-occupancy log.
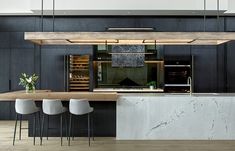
(16, 56)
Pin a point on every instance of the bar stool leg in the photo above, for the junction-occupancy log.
(20, 127)
(34, 127)
(70, 125)
(66, 125)
(72, 131)
(47, 125)
(15, 129)
(61, 129)
(92, 125)
(88, 117)
(43, 118)
(39, 123)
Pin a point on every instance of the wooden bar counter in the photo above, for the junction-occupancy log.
(47, 94)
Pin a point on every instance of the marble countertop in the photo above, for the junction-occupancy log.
(179, 94)
(99, 96)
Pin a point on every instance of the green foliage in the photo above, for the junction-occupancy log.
(27, 80)
(152, 83)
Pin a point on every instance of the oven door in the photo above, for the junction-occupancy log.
(177, 75)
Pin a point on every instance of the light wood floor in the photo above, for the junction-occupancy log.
(104, 144)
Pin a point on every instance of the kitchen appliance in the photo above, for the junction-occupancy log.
(178, 75)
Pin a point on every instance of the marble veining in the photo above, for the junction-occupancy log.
(175, 118)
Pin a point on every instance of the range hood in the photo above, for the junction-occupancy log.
(129, 38)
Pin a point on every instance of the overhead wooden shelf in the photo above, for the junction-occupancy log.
(129, 38)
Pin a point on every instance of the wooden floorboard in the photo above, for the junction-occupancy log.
(103, 144)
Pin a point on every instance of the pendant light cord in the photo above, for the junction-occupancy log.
(42, 13)
(204, 16)
(218, 17)
(53, 16)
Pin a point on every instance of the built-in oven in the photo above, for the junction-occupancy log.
(178, 76)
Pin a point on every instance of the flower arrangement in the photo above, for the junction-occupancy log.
(28, 82)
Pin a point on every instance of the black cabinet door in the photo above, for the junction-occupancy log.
(4, 61)
(17, 41)
(4, 70)
(52, 69)
(205, 68)
(230, 27)
(230, 66)
(4, 82)
(168, 24)
(177, 51)
(88, 24)
(4, 74)
(22, 61)
(5, 110)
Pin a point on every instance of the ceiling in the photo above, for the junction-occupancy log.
(117, 7)
(132, 12)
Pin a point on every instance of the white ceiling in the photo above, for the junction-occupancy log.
(15, 6)
(117, 7)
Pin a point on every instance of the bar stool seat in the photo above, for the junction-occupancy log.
(53, 107)
(80, 107)
(26, 107)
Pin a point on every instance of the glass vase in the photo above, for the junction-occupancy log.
(30, 89)
(151, 87)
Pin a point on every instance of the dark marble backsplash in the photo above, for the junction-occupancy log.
(130, 56)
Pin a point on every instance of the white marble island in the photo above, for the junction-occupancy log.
(152, 116)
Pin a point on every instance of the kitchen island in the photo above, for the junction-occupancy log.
(203, 116)
(104, 104)
(154, 116)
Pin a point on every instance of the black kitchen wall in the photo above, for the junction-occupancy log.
(214, 65)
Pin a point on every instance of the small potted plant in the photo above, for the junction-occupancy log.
(28, 82)
(152, 85)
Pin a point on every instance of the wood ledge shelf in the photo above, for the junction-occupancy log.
(65, 96)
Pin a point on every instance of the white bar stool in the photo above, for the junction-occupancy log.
(53, 107)
(80, 107)
(26, 107)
